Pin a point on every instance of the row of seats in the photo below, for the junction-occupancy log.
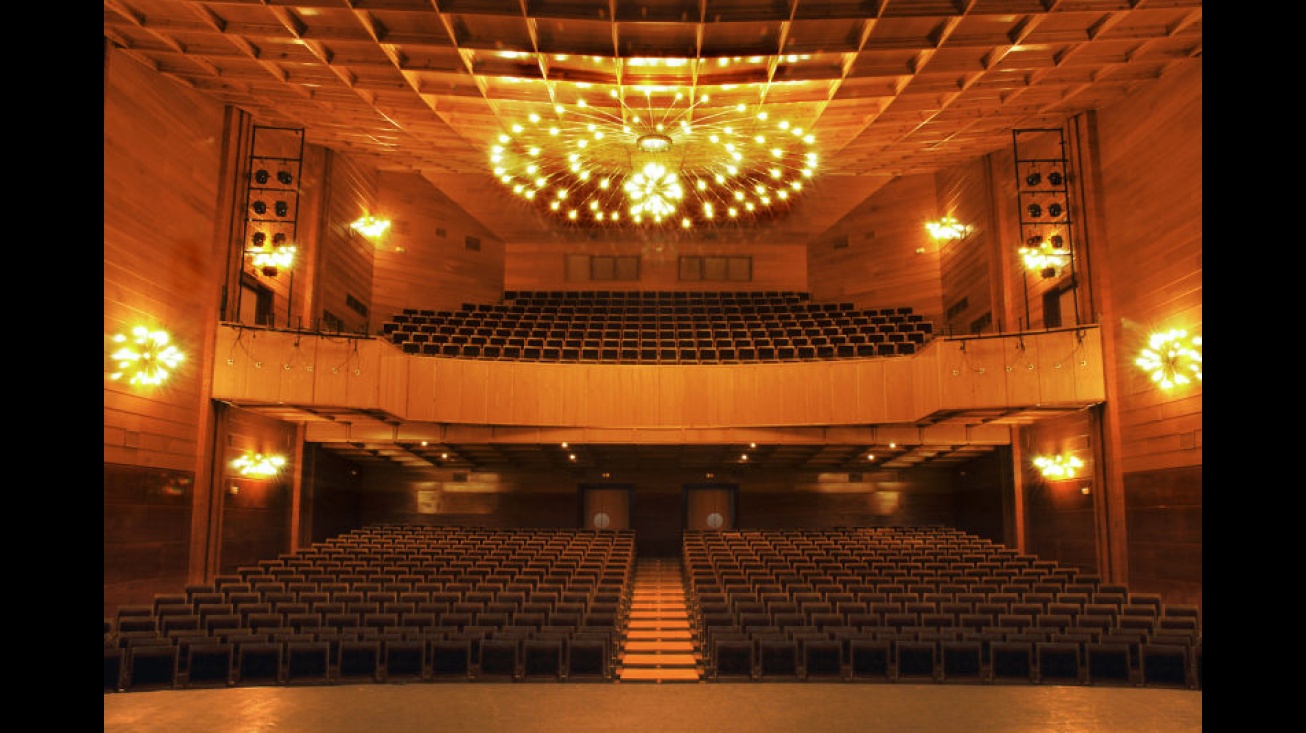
(389, 603)
(932, 655)
(923, 603)
(593, 329)
(724, 297)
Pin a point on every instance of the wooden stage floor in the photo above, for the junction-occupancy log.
(745, 707)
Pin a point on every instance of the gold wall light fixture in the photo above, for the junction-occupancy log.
(947, 229)
(146, 357)
(370, 226)
(1172, 358)
(257, 465)
(1058, 467)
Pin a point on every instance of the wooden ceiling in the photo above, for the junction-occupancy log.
(888, 87)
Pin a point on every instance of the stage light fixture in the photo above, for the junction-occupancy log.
(260, 208)
(1056, 240)
(284, 177)
(278, 239)
(282, 208)
(1055, 178)
(261, 176)
(1035, 211)
(1035, 240)
(259, 239)
(1033, 179)
(1054, 211)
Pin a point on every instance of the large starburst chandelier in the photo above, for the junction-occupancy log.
(655, 156)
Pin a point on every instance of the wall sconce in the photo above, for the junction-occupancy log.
(370, 226)
(258, 465)
(1172, 357)
(146, 355)
(1060, 467)
(947, 229)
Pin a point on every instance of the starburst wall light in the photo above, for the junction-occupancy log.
(662, 159)
(145, 357)
(1172, 358)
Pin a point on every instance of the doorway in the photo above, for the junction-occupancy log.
(710, 506)
(605, 506)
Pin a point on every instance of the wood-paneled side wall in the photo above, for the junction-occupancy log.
(255, 514)
(425, 261)
(146, 533)
(969, 277)
(162, 153)
(1147, 265)
(331, 503)
(1059, 513)
(880, 267)
(1151, 162)
(1164, 518)
(163, 158)
(343, 265)
(540, 265)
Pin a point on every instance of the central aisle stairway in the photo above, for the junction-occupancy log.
(658, 645)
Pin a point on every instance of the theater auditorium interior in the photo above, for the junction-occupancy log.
(675, 365)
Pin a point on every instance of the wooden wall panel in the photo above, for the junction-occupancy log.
(474, 406)
(343, 263)
(872, 391)
(422, 379)
(553, 398)
(255, 518)
(162, 159)
(540, 265)
(527, 408)
(447, 395)
(297, 376)
(424, 260)
(899, 403)
(844, 393)
(392, 381)
(671, 397)
(1151, 249)
(879, 267)
(969, 275)
(641, 383)
(331, 377)
(146, 533)
(501, 392)
(1165, 533)
(1023, 381)
(1057, 373)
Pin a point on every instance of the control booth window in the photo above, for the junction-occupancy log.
(714, 268)
(602, 267)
